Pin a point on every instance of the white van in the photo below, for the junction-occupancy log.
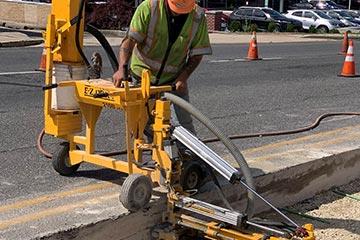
(322, 22)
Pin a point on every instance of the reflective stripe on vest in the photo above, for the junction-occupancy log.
(154, 65)
(199, 13)
(197, 19)
(152, 25)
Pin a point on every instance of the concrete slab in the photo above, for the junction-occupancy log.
(286, 172)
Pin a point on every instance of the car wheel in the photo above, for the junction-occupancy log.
(277, 29)
(322, 29)
(235, 26)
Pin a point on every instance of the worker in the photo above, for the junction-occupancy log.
(169, 38)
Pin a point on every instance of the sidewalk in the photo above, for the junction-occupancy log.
(28, 38)
(17, 39)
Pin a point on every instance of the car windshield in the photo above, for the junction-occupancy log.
(322, 15)
(353, 14)
(344, 14)
(331, 3)
(272, 13)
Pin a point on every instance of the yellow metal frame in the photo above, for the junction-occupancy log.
(215, 231)
(60, 47)
(93, 96)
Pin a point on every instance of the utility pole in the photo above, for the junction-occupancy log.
(281, 8)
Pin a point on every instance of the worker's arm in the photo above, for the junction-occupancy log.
(136, 35)
(200, 46)
(181, 81)
(125, 52)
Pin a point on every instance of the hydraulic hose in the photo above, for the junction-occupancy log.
(77, 34)
(40, 146)
(287, 132)
(228, 144)
(315, 124)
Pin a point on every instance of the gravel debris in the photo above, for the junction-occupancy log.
(340, 213)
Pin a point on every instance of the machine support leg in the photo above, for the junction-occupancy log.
(91, 114)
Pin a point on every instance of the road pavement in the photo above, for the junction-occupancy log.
(240, 97)
(289, 91)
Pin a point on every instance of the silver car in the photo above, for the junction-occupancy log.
(344, 17)
(322, 22)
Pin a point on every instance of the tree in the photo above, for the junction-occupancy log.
(113, 14)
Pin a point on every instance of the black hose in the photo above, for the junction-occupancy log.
(105, 44)
(228, 144)
(77, 34)
(242, 136)
(286, 132)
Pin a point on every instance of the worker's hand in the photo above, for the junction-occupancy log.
(181, 85)
(118, 77)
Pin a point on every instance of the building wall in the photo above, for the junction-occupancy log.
(24, 13)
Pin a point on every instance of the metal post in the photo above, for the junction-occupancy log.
(281, 8)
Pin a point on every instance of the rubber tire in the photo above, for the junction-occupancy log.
(191, 170)
(322, 29)
(132, 184)
(277, 29)
(60, 159)
(240, 25)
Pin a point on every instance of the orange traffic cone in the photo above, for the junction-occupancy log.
(253, 52)
(345, 44)
(42, 65)
(349, 64)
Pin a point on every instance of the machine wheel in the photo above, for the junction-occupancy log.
(135, 192)
(60, 160)
(192, 175)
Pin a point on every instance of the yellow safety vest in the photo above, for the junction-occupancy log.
(150, 31)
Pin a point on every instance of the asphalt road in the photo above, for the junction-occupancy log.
(240, 97)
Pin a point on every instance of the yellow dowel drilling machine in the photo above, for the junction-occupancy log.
(67, 80)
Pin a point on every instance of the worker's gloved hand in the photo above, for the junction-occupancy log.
(118, 77)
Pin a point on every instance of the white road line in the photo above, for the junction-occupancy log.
(274, 58)
(241, 60)
(19, 73)
(220, 61)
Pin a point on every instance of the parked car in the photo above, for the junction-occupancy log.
(326, 5)
(318, 19)
(355, 14)
(262, 17)
(344, 17)
(302, 4)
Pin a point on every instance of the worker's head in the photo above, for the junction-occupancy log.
(181, 6)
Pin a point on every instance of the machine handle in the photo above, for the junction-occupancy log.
(49, 86)
(101, 95)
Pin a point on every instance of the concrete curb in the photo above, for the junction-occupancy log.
(21, 43)
(294, 181)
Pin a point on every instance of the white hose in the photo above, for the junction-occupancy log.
(244, 167)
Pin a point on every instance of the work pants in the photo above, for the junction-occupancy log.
(178, 115)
